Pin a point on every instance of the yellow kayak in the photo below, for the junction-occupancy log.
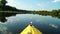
(30, 29)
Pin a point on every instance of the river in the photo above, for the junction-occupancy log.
(15, 24)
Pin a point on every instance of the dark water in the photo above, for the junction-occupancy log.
(15, 24)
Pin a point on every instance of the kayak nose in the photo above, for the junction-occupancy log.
(30, 29)
(30, 23)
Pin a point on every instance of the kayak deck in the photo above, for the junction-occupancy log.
(30, 30)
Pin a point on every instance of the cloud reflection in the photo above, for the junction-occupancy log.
(53, 25)
(4, 30)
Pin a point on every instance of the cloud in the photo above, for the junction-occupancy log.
(10, 2)
(17, 4)
(56, 0)
(43, 5)
(40, 6)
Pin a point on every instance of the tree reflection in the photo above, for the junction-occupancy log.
(3, 15)
(3, 19)
(53, 13)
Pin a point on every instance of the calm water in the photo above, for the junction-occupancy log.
(15, 24)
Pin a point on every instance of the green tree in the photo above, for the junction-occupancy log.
(3, 2)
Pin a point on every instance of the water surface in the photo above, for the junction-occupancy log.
(15, 24)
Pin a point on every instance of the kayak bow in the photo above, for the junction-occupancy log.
(30, 29)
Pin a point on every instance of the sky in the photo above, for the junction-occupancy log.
(35, 4)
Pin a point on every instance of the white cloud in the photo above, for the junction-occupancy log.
(41, 5)
(56, 0)
(10, 2)
(15, 3)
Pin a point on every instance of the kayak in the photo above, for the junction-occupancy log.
(30, 29)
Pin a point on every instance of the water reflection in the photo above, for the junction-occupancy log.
(54, 16)
(4, 30)
(3, 15)
(15, 24)
(3, 19)
(53, 25)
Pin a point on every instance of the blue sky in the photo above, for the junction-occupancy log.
(35, 4)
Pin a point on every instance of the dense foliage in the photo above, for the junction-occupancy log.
(52, 13)
(2, 3)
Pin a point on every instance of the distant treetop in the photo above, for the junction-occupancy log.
(3, 2)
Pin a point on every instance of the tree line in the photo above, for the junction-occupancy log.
(51, 13)
(4, 7)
